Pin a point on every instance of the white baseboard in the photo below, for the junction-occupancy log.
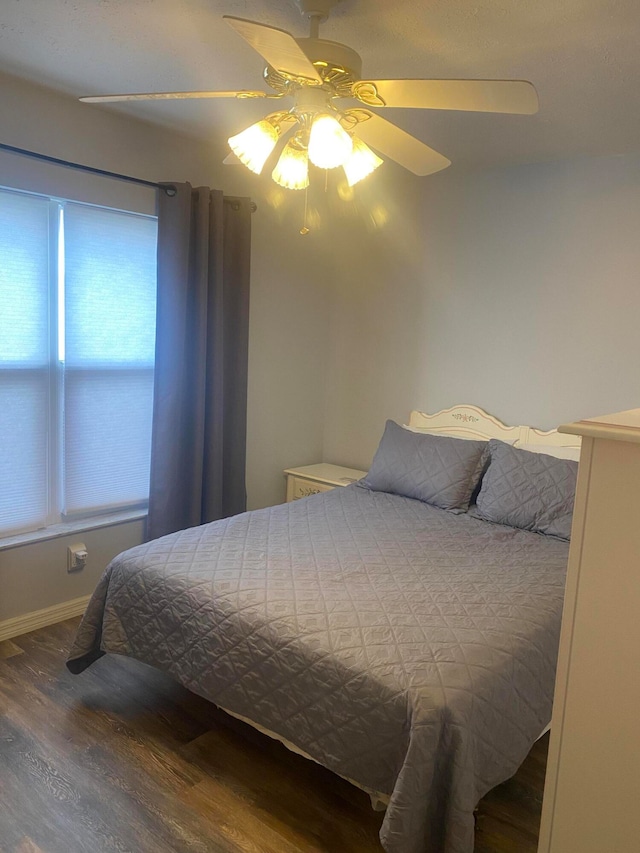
(41, 618)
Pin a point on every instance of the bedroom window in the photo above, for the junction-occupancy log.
(77, 339)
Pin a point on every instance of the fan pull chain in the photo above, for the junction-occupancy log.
(305, 228)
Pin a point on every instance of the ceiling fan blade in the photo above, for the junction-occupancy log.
(398, 144)
(277, 47)
(167, 96)
(492, 96)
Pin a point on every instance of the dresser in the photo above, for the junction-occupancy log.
(322, 477)
(592, 792)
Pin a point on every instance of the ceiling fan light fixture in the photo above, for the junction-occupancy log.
(292, 169)
(361, 162)
(317, 74)
(329, 143)
(254, 145)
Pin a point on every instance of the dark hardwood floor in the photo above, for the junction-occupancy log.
(123, 759)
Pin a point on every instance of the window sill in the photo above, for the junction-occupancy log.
(69, 527)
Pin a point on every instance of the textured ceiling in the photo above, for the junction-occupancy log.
(582, 56)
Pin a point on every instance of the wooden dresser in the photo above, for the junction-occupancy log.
(592, 793)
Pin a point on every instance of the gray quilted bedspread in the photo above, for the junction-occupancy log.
(406, 648)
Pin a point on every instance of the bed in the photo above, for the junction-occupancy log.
(408, 647)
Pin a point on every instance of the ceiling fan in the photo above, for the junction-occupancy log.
(325, 126)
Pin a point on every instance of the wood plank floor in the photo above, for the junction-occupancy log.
(121, 758)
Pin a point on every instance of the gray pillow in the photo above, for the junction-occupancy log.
(532, 491)
(432, 468)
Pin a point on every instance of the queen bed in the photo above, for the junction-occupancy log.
(401, 631)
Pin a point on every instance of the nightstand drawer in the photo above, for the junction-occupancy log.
(321, 477)
(301, 488)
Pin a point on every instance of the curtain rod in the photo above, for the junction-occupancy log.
(92, 169)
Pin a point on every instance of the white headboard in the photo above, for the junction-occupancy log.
(473, 422)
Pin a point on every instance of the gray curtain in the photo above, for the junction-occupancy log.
(198, 444)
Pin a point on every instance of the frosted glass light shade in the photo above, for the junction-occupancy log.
(253, 145)
(362, 162)
(329, 143)
(292, 169)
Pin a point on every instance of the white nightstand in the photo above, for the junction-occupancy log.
(311, 479)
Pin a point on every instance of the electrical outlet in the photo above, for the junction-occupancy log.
(77, 557)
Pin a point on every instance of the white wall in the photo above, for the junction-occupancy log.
(289, 308)
(378, 319)
(34, 577)
(523, 297)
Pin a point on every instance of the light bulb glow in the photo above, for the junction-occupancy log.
(362, 162)
(253, 145)
(292, 169)
(329, 143)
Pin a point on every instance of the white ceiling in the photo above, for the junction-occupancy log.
(582, 56)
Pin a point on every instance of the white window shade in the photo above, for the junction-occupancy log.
(24, 482)
(110, 299)
(24, 359)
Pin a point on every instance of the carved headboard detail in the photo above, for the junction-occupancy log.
(473, 422)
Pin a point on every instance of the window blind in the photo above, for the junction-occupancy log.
(109, 344)
(24, 362)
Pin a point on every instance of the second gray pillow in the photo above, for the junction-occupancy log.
(532, 491)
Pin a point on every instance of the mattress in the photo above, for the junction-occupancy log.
(404, 647)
